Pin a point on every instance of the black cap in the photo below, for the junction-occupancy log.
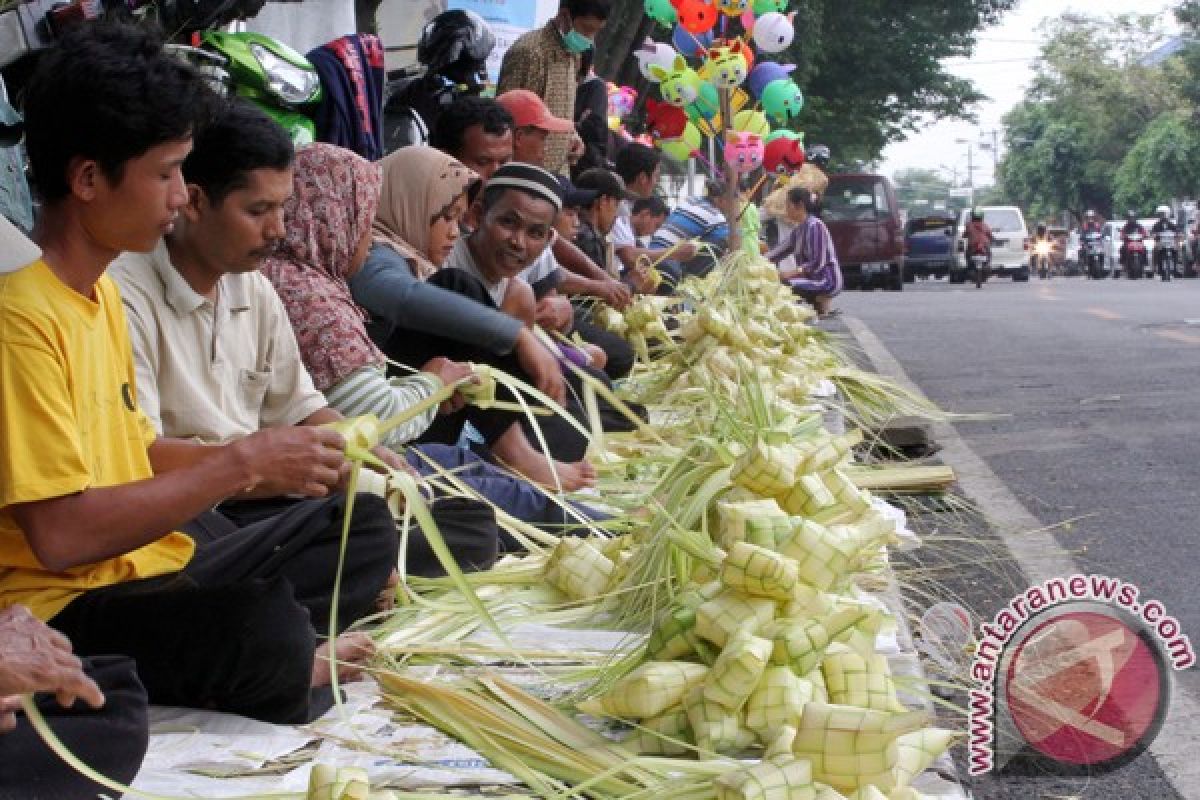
(573, 196)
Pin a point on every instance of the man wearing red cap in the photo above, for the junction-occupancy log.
(533, 123)
(546, 62)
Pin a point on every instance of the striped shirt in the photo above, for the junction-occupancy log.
(368, 390)
(812, 247)
(694, 218)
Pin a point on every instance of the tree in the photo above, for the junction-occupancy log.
(1163, 164)
(921, 190)
(1089, 102)
(871, 74)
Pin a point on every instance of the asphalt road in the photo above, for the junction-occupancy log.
(1101, 385)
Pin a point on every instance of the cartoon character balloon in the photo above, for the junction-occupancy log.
(782, 100)
(743, 151)
(725, 67)
(652, 52)
(620, 104)
(692, 45)
(664, 120)
(773, 32)
(783, 155)
(784, 133)
(680, 85)
(733, 8)
(695, 16)
(752, 121)
(763, 73)
(661, 11)
(763, 6)
(682, 147)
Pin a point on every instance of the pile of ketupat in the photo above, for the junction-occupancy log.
(740, 552)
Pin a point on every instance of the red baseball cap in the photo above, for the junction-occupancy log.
(528, 111)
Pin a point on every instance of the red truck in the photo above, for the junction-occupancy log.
(862, 216)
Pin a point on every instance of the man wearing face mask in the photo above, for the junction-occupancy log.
(546, 62)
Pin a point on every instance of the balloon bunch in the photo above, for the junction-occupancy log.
(707, 56)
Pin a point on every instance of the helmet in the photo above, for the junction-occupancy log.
(1131, 215)
(976, 213)
(1090, 214)
(1163, 211)
(456, 44)
(819, 154)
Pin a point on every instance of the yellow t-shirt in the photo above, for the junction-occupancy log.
(69, 421)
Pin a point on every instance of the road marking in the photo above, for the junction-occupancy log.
(1046, 293)
(1179, 336)
(1039, 556)
(1102, 313)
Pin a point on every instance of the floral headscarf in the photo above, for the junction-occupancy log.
(419, 183)
(336, 194)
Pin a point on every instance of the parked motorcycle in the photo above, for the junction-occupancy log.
(1135, 259)
(263, 70)
(1093, 253)
(1166, 256)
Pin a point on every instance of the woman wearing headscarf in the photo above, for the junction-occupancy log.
(328, 233)
(422, 311)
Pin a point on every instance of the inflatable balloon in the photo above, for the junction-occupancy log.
(743, 151)
(682, 147)
(707, 104)
(752, 121)
(661, 11)
(783, 155)
(652, 52)
(695, 16)
(773, 32)
(733, 8)
(664, 120)
(725, 67)
(691, 44)
(782, 100)
(680, 85)
(621, 100)
(784, 133)
(764, 6)
(763, 73)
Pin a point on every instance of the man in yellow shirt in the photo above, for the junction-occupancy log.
(91, 502)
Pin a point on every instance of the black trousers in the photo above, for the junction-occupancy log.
(619, 351)
(415, 348)
(111, 739)
(236, 629)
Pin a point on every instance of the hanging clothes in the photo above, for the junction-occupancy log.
(352, 78)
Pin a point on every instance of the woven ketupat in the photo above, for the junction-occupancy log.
(807, 496)
(918, 750)
(648, 691)
(578, 569)
(719, 618)
(853, 680)
(778, 700)
(765, 469)
(852, 747)
(717, 729)
(737, 670)
(758, 571)
(734, 517)
(829, 452)
(665, 735)
(669, 640)
(854, 502)
(781, 777)
(801, 644)
(823, 557)
(768, 531)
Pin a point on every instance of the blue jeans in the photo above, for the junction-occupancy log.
(514, 495)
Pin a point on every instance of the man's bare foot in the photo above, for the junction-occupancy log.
(352, 652)
(386, 600)
(515, 451)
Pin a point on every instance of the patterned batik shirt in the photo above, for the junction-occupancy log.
(537, 61)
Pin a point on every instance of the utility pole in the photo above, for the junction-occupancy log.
(970, 170)
(994, 133)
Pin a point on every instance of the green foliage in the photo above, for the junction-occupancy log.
(1087, 106)
(1164, 163)
(921, 190)
(871, 73)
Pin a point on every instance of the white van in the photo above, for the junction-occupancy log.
(1010, 247)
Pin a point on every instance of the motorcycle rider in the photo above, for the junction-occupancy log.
(1091, 224)
(1164, 223)
(1132, 226)
(978, 235)
(1043, 248)
(452, 51)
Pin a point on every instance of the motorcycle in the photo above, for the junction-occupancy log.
(263, 70)
(1093, 251)
(979, 259)
(1166, 256)
(1134, 257)
(1041, 258)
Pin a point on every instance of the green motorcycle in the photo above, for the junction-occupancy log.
(263, 70)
